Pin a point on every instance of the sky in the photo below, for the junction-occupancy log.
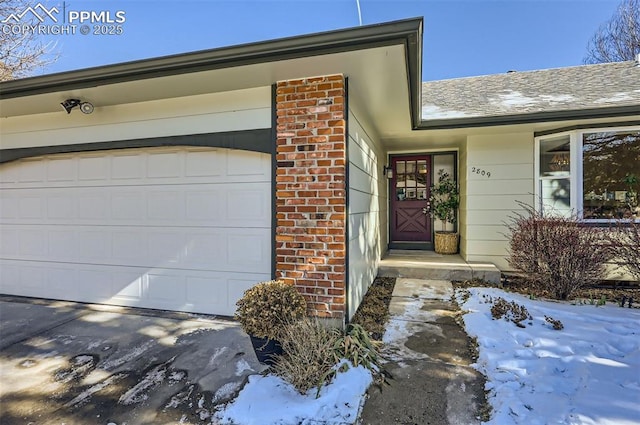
(461, 38)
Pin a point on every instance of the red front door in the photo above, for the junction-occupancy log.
(409, 193)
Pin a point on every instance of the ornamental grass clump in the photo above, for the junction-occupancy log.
(264, 310)
(314, 354)
(308, 360)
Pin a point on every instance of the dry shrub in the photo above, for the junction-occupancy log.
(308, 359)
(511, 311)
(557, 325)
(557, 254)
(625, 246)
(267, 307)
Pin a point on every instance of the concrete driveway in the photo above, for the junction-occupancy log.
(69, 363)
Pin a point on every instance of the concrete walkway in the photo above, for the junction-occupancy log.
(429, 360)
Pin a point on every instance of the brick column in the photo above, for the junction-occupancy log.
(310, 191)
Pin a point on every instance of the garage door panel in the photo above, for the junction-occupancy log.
(93, 245)
(127, 166)
(33, 244)
(61, 206)
(225, 249)
(248, 252)
(244, 164)
(96, 283)
(92, 208)
(32, 171)
(164, 164)
(165, 205)
(61, 169)
(175, 228)
(62, 280)
(9, 242)
(31, 207)
(205, 163)
(128, 248)
(92, 168)
(137, 167)
(63, 245)
(127, 206)
(9, 207)
(212, 205)
(204, 206)
(190, 291)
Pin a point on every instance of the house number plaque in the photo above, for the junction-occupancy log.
(481, 172)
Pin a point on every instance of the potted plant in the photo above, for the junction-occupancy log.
(264, 310)
(443, 203)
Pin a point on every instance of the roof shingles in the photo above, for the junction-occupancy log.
(561, 89)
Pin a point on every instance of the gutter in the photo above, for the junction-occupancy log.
(407, 32)
(615, 111)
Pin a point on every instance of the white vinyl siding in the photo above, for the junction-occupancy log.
(367, 208)
(174, 228)
(489, 201)
(217, 112)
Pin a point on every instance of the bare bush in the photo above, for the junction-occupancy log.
(556, 254)
(625, 246)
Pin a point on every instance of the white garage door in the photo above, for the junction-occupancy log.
(186, 229)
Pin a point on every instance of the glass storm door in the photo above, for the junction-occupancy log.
(409, 193)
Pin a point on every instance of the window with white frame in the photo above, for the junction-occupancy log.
(594, 173)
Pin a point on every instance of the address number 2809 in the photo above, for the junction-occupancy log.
(481, 172)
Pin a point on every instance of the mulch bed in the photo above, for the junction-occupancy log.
(607, 291)
(373, 312)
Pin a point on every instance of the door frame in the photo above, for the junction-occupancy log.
(423, 246)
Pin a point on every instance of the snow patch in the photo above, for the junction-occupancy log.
(515, 98)
(152, 379)
(436, 112)
(242, 366)
(586, 373)
(400, 328)
(217, 353)
(225, 392)
(269, 400)
(557, 98)
(135, 352)
(84, 396)
(618, 97)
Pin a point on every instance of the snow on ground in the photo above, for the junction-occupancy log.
(268, 400)
(588, 373)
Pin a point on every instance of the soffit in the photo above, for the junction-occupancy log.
(377, 77)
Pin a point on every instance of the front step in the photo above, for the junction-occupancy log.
(429, 265)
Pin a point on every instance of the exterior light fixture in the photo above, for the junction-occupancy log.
(85, 107)
(387, 171)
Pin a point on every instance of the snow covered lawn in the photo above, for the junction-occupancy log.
(587, 373)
